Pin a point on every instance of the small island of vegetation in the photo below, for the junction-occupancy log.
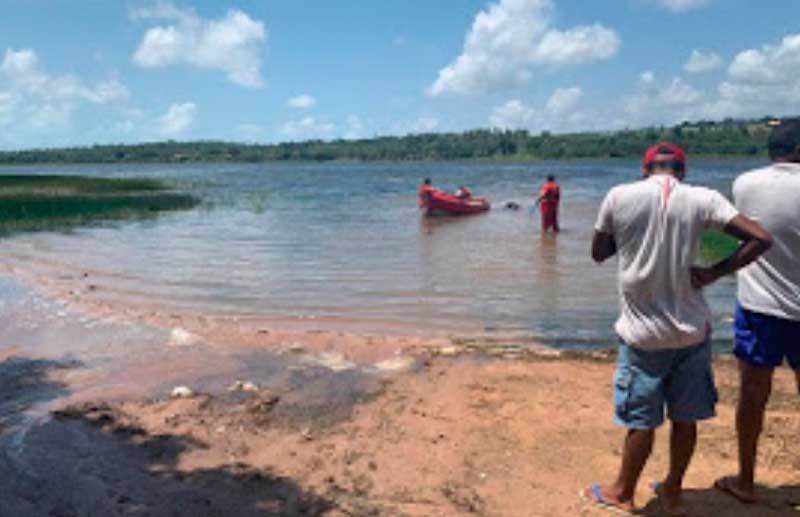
(38, 202)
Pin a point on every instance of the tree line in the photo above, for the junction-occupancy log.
(707, 138)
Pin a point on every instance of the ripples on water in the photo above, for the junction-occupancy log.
(344, 244)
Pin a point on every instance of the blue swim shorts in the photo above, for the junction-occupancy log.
(764, 340)
(678, 380)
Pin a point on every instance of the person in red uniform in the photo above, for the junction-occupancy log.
(548, 200)
(425, 191)
(463, 193)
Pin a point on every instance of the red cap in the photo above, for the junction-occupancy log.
(664, 147)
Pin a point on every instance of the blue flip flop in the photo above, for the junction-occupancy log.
(595, 498)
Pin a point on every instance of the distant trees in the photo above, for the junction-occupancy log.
(726, 138)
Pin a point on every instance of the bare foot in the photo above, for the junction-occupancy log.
(730, 485)
(607, 499)
(671, 500)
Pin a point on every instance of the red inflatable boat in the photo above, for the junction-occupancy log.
(439, 203)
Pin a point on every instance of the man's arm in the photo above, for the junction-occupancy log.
(603, 246)
(755, 241)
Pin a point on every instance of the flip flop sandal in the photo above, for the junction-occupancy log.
(596, 499)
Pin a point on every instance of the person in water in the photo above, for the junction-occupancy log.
(548, 200)
(654, 226)
(767, 322)
(463, 193)
(425, 191)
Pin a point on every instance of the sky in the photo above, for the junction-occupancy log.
(84, 72)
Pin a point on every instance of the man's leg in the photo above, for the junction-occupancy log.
(639, 406)
(691, 397)
(546, 219)
(797, 377)
(637, 448)
(756, 386)
(682, 444)
(759, 346)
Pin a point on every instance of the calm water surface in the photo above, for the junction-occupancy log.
(343, 245)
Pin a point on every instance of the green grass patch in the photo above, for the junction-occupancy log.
(60, 202)
(62, 185)
(716, 246)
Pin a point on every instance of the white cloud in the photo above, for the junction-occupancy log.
(680, 6)
(250, 132)
(177, 119)
(424, 124)
(700, 62)
(302, 102)
(772, 64)
(8, 103)
(564, 100)
(647, 78)
(509, 37)
(37, 101)
(679, 93)
(355, 128)
(106, 92)
(511, 115)
(307, 128)
(761, 81)
(577, 46)
(231, 43)
(21, 69)
(661, 102)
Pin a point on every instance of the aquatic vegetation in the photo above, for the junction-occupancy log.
(33, 202)
(716, 245)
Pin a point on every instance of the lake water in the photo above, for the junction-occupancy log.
(343, 246)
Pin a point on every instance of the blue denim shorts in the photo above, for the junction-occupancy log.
(678, 380)
(764, 340)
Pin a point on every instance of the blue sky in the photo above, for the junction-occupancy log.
(85, 72)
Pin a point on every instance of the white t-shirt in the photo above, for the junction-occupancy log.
(771, 196)
(657, 224)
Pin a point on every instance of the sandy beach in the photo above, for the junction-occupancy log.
(440, 381)
(457, 434)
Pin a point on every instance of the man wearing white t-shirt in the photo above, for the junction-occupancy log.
(654, 226)
(767, 324)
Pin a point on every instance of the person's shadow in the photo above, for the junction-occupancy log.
(782, 501)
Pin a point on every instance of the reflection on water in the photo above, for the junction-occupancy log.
(547, 273)
(344, 244)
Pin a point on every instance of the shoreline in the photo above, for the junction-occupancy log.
(486, 161)
(334, 424)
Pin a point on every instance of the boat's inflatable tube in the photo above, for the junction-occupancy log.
(439, 203)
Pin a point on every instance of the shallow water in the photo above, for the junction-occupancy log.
(343, 246)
